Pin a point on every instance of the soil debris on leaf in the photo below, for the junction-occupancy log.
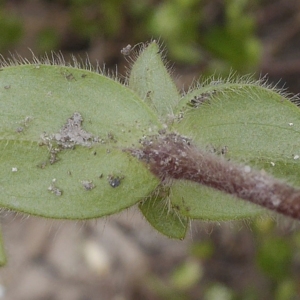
(54, 189)
(73, 134)
(114, 181)
(24, 124)
(200, 99)
(70, 135)
(88, 185)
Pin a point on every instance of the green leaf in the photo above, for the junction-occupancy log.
(201, 202)
(62, 135)
(163, 217)
(150, 79)
(253, 125)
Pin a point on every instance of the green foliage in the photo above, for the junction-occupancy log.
(150, 80)
(193, 30)
(277, 258)
(230, 114)
(11, 30)
(163, 217)
(190, 28)
(36, 102)
(274, 257)
(93, 18)
(65, 134)
(234, 41)
(218, 292)
(287, 289)
(186, 25)
(186, 275)
(202, 250)
(177, 22)
(47, 39)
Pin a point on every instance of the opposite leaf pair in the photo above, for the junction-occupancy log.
(68, 135)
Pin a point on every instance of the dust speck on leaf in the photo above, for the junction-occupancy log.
(54, 189)
(111, 137)
(42, 165)
(224, 150)
(69, 76)
(217, 150)
(88, 185)
(177, 207)
(24, 124)
(200, 99)
(177, 118)
(114, 181)
(53, 156)
(20, 129)
(148, 95)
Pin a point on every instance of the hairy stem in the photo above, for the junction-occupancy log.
(173, 156)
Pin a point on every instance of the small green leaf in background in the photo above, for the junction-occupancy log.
(48, 39)
(202, 250)
(286, 290)
(186, 275)
(274, 257)
(235, 42)
(12, 30)
(177, 23)
(218, 291)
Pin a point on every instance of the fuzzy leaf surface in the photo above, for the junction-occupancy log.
(150, 79)
(94, 179)
(253, 125)
(165, 219)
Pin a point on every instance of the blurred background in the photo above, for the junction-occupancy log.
(121, 257)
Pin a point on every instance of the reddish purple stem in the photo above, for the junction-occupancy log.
(173, 156)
